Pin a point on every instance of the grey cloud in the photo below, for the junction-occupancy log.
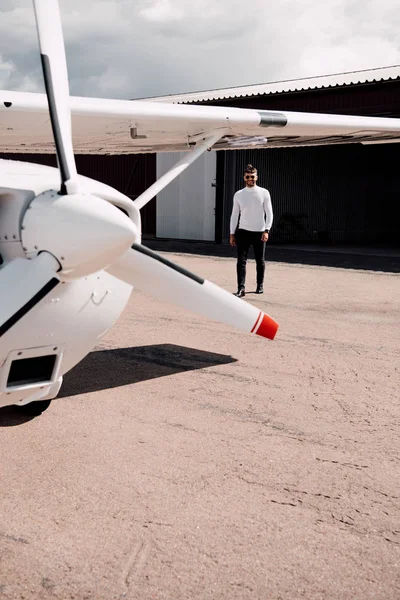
(139, 48)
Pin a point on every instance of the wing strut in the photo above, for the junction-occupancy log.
(177, 169)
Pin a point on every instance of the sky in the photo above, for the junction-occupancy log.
(142, 48)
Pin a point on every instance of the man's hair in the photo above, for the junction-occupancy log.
(250, 169)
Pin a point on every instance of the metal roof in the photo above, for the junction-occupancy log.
(289, 85)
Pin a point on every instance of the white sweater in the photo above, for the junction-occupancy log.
(252, 209)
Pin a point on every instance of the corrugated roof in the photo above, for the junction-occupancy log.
(289, 85)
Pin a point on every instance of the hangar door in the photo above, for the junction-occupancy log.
(186, 207)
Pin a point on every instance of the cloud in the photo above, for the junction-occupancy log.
(127, 48)
(161, 11)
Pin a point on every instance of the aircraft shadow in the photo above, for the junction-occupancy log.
(107, 369)
(104, 369)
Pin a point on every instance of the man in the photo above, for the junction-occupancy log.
(251, 221)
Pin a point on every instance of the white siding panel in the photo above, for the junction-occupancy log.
(186, 207)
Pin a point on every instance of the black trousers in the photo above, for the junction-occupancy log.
(245, 239)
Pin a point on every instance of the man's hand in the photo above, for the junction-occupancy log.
(232, 240)
(264, 237)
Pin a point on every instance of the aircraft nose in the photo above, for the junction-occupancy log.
(84, 232)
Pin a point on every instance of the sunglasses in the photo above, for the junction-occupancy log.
(250, 176)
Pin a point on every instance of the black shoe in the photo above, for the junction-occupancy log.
(260, 289)
(240, 293)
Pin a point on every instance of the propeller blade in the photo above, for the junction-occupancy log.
(54, 65)
(26, 283)
(167, 281)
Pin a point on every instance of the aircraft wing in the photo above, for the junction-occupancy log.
(101, 126)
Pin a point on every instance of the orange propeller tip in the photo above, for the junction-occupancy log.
(268, 327)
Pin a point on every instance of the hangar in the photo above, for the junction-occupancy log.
(330, 194)
(346, 194)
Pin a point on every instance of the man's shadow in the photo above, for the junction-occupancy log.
(107, 369)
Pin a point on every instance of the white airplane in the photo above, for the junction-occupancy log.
(71, 246)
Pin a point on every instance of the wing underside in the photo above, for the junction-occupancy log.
(102, 126)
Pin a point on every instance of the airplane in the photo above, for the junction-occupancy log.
(71, 246)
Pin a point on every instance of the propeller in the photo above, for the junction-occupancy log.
(165, 280)
(54, 65)
(82, 230)
(134, 264)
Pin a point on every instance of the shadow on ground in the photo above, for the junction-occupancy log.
(370, 259)
(106, 369)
